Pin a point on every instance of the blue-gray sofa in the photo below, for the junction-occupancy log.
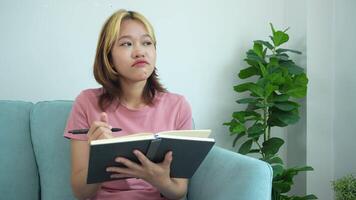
(35, 160)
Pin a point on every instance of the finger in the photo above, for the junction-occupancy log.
(120, 170)
(104, 117)
(99, 132)
(97, 124)
(119, 176)
(128, 163)
(142, 158)
(168, 159)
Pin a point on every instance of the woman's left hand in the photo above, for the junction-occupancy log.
(157, 174)
(154, 173)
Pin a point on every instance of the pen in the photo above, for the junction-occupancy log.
(85, 131)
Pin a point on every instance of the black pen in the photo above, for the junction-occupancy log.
(85, 131)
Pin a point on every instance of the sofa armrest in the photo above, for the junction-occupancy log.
(228, 175)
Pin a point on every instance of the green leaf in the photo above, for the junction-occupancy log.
(263, 69)
(238, 128)
(272, 145)
(281, 186)
(280, 50)
(305, 168)
(253, 87)
(274, 160)
(273, 121)
(248, 72)
(273, 61)
(258, 49)
(282, 57)
(276, 78)
(245, 147)
(264, 53)
(251, 62)
(298, 92)
(237, 138)
(287, 105)
(244, 116)
(288, 118)
(251, 55)
(273, 30)
(256, 130)
(269, 89)
(311, 196)
(247, 100)
(254, 151)
(275, 69)
(280, 98)
(277, 170)
(265, 43)
(292, 67)
(279, 38)
(301, 79)
(260, 105)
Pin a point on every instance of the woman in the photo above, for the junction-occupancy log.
(131, 98)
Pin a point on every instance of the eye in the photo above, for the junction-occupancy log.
(147, 43)
(126, 44)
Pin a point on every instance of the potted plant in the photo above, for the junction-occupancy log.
(345, 188)
(274, 83)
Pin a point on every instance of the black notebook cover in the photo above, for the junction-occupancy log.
(188, 154)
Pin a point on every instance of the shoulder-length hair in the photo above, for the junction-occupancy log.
(104, 72)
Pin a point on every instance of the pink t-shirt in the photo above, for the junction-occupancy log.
(169, 112)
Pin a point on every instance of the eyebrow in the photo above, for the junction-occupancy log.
(129, 37)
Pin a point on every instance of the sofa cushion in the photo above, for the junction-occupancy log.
(52, 150)
(18, 171)
(239, 176)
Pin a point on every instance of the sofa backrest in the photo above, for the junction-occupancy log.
(52, 150)
(18, 171)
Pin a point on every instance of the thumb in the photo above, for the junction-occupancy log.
(168, 159)
(104, 117)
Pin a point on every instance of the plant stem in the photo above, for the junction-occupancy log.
(269, 132)
(265, 110)
(259, 146)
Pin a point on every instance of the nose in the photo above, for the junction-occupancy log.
(138, 52)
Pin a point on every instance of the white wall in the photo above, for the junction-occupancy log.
(345, 88)
(296, 18)
(320, 100)
(330, 103)
(47, 49)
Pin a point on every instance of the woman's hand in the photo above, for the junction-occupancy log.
(157, 174)
(100, 129)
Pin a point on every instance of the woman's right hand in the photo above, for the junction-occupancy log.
(100, 129)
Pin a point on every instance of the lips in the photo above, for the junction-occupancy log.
(139, 63)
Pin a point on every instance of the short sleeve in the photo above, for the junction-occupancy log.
(184, 118)
(77, 118)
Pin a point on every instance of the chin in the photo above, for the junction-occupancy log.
(140, 79)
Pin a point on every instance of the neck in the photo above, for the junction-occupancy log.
(132, 94)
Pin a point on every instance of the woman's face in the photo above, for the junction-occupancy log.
(134, 54)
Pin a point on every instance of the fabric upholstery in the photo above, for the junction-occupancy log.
(18, 171)
(52, 150)
(228, 175)
(35, 160)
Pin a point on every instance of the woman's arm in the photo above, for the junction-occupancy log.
(80, 159)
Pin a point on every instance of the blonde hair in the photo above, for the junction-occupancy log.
(104, 72)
